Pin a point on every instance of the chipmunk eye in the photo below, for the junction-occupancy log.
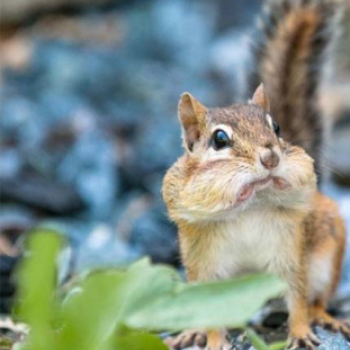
(276, 128)
(220, 140)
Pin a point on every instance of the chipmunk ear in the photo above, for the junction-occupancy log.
(261, 99)
(192, 115)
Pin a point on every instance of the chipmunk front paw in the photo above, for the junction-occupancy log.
(334, 325)
(306, 340)
(211, 340)
(187, 338)
(218, 340)
(319, 317)
(344, 327)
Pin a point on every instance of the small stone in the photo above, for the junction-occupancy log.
(11, 162)
(154, 236)
(42, 193)
(331, 341)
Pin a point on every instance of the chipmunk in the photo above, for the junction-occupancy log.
(244, 194)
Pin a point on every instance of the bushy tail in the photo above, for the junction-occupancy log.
(289, 51)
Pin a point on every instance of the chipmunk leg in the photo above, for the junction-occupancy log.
(300, 332)
(217, 340)
(327, 258)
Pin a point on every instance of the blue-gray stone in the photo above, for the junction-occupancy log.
(331, 341)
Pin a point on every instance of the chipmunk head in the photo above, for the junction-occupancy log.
(235, 158)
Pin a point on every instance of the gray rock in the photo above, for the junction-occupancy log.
(23, 119)
(157, 146)
(16, 216)
(102, 248)
(91, 165)
(165, 24)
(60, 105)
(331, 341)
(18, 10)
(39, 192)
(90, 244)
(342, 196)
(11, 162)
(153, 235)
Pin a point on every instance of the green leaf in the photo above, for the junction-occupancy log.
(154, 298)
(110, 307)
(256, 340)
(36, 286)
(278, 345)
(139, 342)
(145, 283)
(206, 305)
(91, 312)
(98, 305)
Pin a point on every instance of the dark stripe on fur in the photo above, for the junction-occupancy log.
(289, 51)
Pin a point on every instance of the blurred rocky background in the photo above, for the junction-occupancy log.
(89, 92)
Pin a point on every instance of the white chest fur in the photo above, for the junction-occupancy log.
(254, 242)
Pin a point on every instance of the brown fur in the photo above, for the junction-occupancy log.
(289, 56)
(201, 194)
(238, 212)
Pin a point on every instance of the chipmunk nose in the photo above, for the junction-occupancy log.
(269, 159)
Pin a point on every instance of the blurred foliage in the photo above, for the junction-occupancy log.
(112, 309)
(259, 344)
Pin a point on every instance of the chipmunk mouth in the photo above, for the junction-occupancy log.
(248, 189)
